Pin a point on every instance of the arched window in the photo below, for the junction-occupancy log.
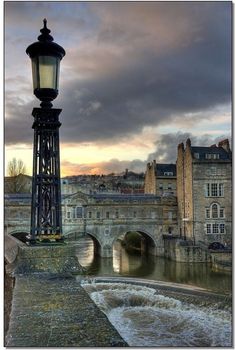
(214, 211)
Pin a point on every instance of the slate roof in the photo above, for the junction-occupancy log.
(26, 198)
(125, 197)
(21, 197)
(202, 151)
(161, 169)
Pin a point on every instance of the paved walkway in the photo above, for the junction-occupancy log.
(52, 311)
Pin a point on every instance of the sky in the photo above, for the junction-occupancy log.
(138, 78)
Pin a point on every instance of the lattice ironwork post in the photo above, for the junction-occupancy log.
(46, 223)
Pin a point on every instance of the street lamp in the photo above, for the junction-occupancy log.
(46, 223)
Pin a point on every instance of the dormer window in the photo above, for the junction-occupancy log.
(168, 173)
(212, 156)
(196, 155)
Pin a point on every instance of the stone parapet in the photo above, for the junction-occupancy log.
(40, 258)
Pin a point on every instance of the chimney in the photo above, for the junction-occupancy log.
(225, 145)
(181, 146)
(188, 143)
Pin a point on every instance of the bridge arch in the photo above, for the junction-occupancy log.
(148, 242)
(96, 243)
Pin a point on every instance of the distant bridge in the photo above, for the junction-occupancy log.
(104, 217)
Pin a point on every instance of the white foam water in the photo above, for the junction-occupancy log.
(145, 318)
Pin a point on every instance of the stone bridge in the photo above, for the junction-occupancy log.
(105, 218)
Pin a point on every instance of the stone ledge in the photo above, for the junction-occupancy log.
(55, 311)
(45, 258)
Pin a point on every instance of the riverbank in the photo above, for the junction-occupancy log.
(54, 311)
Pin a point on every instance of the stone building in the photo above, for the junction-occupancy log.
(160, 179)
(204, 192)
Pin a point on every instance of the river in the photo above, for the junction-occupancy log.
(151, 267)
(146, 317)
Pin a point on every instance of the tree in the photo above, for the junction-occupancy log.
(16, 167)
(17, 181)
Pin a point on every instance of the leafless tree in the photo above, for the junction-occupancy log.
(16, 182)
(16, 167)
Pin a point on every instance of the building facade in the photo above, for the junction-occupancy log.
(204, 193)
(160, 179)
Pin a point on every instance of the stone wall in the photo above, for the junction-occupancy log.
(221, 261)
(180, 251)
(40, 258)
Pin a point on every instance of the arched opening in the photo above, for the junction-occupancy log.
(133, 254)
(96, 245)
(87, 248)
(137, 243)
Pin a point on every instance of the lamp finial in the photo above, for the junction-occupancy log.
(45, 32)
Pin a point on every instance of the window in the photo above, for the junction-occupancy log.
(107, 215)
(214, 210)
(169, 215)
(196, 155)
(221, 190)
(68, 215)
(98, 214)
(222, 213)
(214, 190)
(207, 213)
(135, 214)
(169, 186)
(117, 214)
(79, 212)
(161, 186)
(212, 156)
(208, 228)
(215, 228)
(208, 190)
(90, 215)
(222, 228)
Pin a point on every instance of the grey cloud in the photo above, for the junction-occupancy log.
(143, 86)
(166, 145)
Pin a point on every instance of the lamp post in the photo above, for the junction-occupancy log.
(46, 223)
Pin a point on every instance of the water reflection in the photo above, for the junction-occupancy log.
(150, 267)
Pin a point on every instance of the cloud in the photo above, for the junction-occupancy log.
(128, 66)
(166, 152)
(108, 167)
(166, 145)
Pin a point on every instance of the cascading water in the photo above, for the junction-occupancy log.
(144, 317)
